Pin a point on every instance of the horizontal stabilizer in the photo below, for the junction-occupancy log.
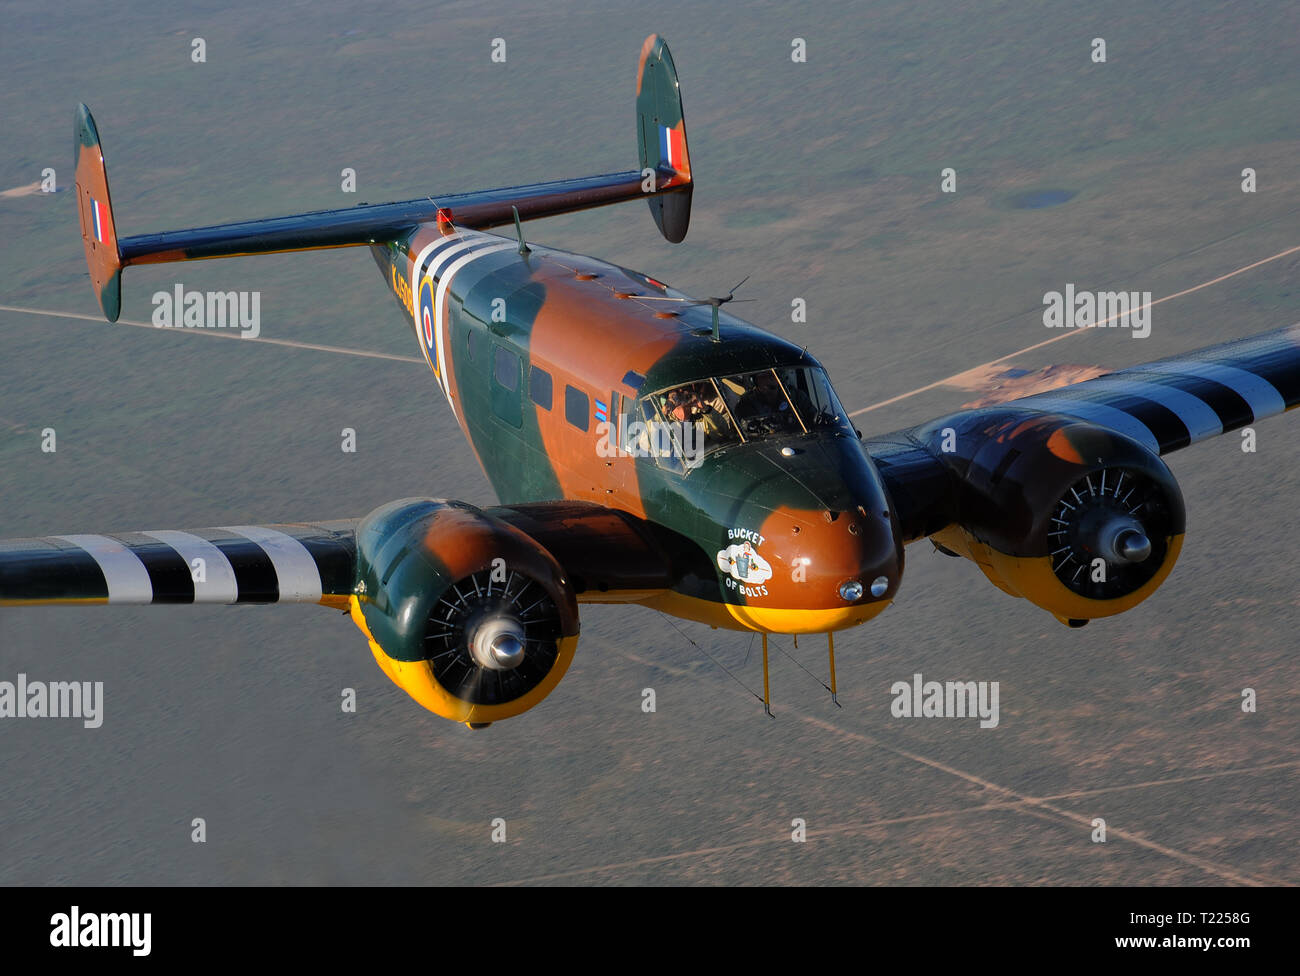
(379, 222)
(664, 180)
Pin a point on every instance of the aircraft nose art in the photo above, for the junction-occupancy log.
(807, 569)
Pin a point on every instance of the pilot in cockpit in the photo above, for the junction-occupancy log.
(766, 405)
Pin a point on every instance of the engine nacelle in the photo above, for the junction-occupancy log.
(1081, 521)
(471, 617)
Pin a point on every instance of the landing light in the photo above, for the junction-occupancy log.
(879, 585)
(851, 591)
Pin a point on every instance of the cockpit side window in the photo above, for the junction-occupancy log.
(683, 423)
(812, 394)
(761, 405)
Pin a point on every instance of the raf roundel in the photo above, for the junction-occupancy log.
(426, 311)
(426, 321)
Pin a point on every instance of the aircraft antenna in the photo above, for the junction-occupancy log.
(524, 249)
(725, 670)
(715, 302)
(800, 665)
(767, 698)
(830, 640)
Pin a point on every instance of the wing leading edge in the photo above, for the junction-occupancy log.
(1164, 405)
(1172, 403)
(610, 556)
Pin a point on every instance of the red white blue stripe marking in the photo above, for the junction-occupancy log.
(672, 148)
(99, 216)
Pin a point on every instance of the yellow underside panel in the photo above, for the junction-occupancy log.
(1033, 579)
(617, 596)
(417, 680)
(90, 601)
(771, 620)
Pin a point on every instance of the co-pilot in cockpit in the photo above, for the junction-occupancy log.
(708, 415)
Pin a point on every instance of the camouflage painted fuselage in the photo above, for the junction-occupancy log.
(540, 353)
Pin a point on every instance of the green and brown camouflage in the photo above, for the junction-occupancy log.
(652, 449)
(550, 360)
(495, 324)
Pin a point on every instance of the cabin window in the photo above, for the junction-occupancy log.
(577, 408)
(507, 369)
(539, 386)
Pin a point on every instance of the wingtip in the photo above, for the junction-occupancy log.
(86, 131)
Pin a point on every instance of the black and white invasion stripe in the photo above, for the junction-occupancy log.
(233, 564)
(1171, 403)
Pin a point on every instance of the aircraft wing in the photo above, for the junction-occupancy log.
(1173, 403)
(1164, 405)
(610, 556)
(471, 612)
(304, 563)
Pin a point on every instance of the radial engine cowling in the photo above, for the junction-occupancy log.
(471, 617)
(1079, 520)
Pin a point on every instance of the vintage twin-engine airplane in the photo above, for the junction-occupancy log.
(650, 449)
